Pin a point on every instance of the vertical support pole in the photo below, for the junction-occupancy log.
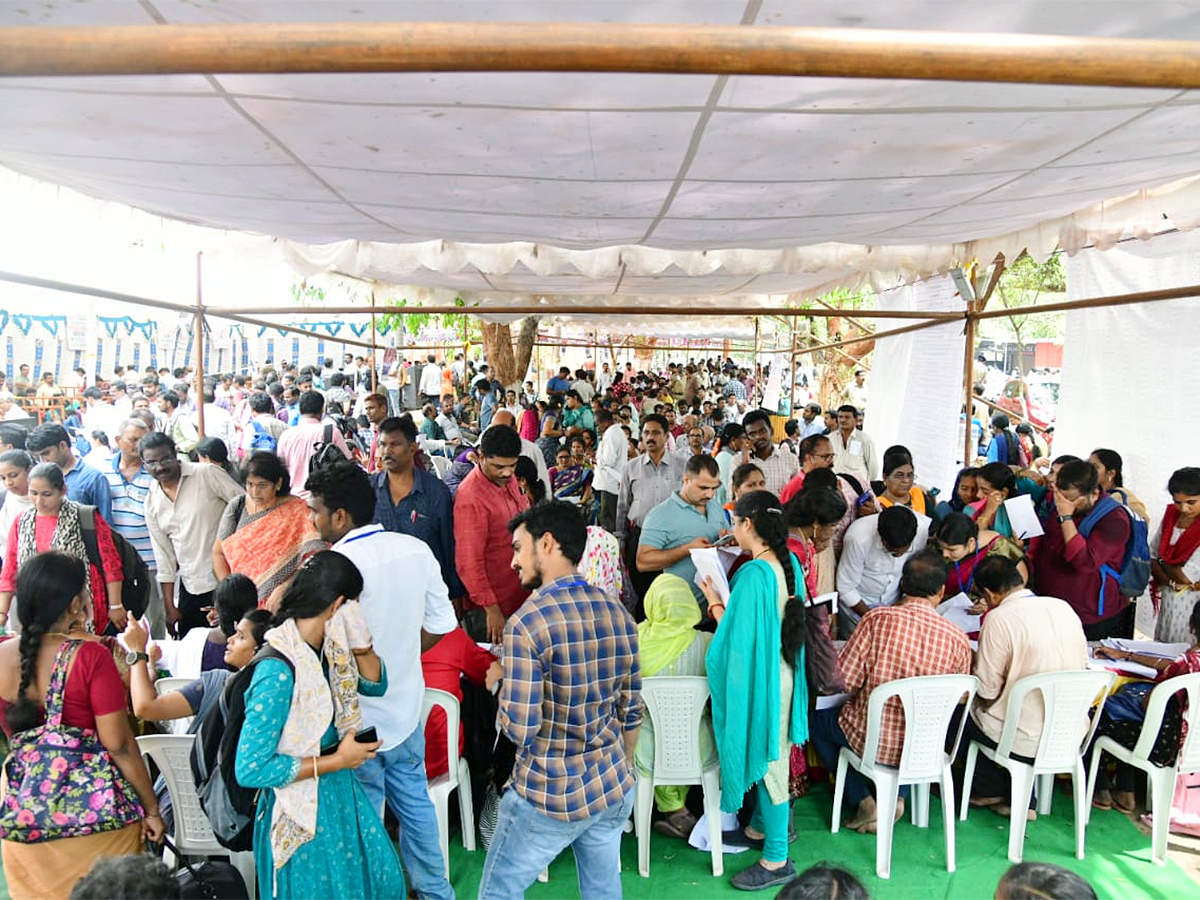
(754, 370)
(969, 378)
(374, 369)
(199, 327)
(792, 370)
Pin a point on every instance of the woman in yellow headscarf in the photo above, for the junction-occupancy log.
(668, 644)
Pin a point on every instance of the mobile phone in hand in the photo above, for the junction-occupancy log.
(724, 541)
(367, 736)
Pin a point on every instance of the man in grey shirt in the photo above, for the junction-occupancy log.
(646, 481)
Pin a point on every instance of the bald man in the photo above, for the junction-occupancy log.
(529, 449)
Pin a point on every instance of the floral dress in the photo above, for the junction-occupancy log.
(351, 855)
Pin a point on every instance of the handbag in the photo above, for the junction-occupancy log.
(60, 782)
(212, 879)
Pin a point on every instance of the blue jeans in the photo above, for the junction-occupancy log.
(399, 774)
(827, 736)
(526, 842)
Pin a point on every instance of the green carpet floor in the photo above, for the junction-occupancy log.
(1117, 864)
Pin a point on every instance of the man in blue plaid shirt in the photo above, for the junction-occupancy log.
(571, 702)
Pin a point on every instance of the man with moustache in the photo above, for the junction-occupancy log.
(409, 500)
(646, 481)
(571, 703)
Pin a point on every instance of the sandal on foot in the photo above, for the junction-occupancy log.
(678, 824)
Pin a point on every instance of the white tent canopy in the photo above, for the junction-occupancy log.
(623, 189)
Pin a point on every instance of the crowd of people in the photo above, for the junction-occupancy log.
(301, 543)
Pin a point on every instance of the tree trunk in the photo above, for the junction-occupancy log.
(508, 366)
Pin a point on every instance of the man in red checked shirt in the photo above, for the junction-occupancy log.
(487, 500)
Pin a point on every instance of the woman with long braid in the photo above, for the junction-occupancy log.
(759, 688)
(48, 675)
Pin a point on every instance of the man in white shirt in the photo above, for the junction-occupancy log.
(1022, 635)
(430, 386)
(405, 620)
(855, 393)
(873, 556)
(611, 455)
(218, 422)
(604, 380)
(854, 451)
(812, 421)
(778, 466)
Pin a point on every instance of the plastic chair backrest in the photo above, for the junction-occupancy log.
(929, 702)
(1156, 707)
(675, 704)
(166, 685)
(1067, 697)
(449, 704)
(172, 753)
(441, 465)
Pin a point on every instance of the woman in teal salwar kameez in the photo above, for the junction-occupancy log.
(315, 833)
(756, 675)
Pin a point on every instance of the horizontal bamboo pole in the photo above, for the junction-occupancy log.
(595, 309)
(917, 326)
(597, 47)
(1094, 302)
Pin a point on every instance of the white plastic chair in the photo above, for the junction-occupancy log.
(675, 705)
(1160, 778)
(165, 686)
(193, 836)
(441, 466)
(929, 702)
(457, 777)
(1067, 698)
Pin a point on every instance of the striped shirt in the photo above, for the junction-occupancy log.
(129, 507)
(572, 688)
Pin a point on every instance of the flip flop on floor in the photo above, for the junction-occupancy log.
(1126, 808)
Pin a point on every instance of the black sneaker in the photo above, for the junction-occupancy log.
(759, 878)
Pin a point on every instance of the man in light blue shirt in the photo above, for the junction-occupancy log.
(688, 520)
(52, 444)
(128, 486)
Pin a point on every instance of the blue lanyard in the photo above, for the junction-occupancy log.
(971, 581)
(359, 537)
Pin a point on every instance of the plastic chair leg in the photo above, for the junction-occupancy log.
(244, 863)
(643, 800)
(1045, 794)
(441, 807)
(839, 790)
(712, 808)
(947, 786)
(1162, 790)
(1022, 790)
(466, 806)
(968, 777)
(1080, 795)
(919, 794)
(886, 792)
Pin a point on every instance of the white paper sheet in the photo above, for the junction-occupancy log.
(955, 611)
(699, 836)
(1122, 665)
(707, 561)
(830, 598)
(1023, 517)
(831, 701)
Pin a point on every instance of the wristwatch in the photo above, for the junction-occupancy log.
(132, 657)
(1062, 519)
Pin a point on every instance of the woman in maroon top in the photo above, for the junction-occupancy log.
(51, 601)
(55, 523)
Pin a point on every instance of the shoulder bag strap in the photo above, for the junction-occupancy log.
(58, 682)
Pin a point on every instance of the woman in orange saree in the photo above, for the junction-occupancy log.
(266, 533)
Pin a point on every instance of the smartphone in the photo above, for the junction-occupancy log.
(864, 497)
(367, 736)
(725, 541)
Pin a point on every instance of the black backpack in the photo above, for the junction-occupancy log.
(229, 806)
(325, 452)
(135, 588)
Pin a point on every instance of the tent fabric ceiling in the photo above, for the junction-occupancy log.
(623, 188)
